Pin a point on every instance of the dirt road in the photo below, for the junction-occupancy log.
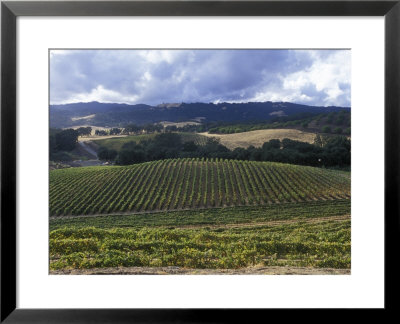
(184, 271)
(94, 137)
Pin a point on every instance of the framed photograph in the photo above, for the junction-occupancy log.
(175, 160)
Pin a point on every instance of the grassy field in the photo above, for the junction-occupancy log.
(308, 234)
(258, 137)
(117, 142)
(190, 184)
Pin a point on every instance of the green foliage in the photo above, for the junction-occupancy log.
(84, 131)
(101, 132)
(323, 244)
(338, 130)
(115, 131)
(61, 156)
(326, 129)
(131, 153)
(106, 154)
(118, 142)
(66, 139)
(142, 148)
(304, 120)
(189, 147)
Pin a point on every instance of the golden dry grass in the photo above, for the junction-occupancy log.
(258, 137)
(178, 124)
(97, 137)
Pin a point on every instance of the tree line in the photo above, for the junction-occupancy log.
(62, 141)
(326, 151)
(329, 123)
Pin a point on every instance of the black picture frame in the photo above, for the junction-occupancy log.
(10, 10)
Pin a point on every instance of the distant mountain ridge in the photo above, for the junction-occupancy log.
(118, 115)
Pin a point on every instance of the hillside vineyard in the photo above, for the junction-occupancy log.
(189, 183)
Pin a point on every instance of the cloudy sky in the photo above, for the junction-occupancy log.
(312, 77)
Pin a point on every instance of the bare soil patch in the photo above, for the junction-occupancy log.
(270, 223)
(257, 270)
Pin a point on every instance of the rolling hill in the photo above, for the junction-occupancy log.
(178, 184)
(117, 115)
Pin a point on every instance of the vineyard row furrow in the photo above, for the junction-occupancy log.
(189, 183)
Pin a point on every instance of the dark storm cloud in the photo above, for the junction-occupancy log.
(154, 76)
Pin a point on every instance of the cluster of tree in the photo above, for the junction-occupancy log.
(250, 126)
(101, 132)
(293, 121)
(164, 146)
(115, 131)
(61, 141)
(104, 132)
(326, 151)
(133, 129)
(106, 154)
(336, 130)
(84, 131)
